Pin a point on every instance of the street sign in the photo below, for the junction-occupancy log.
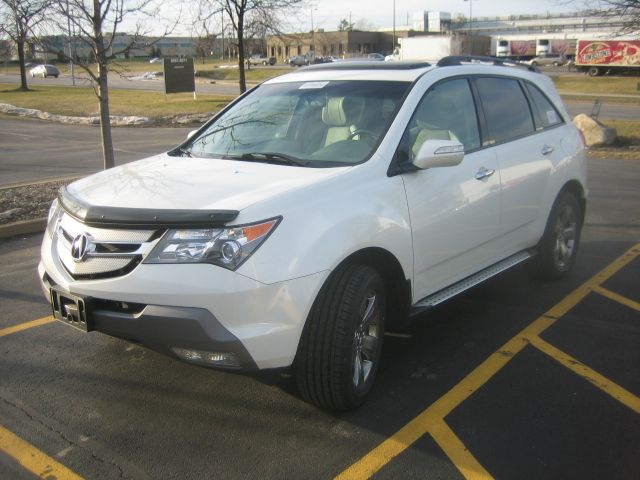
(179, 75)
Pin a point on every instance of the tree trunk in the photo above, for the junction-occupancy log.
(243, 83)
(105, 118)
(23, 71)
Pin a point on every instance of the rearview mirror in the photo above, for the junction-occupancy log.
(439, 153)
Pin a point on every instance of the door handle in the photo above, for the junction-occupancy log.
(546, 150)
(484, 173)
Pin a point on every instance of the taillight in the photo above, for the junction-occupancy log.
(582, 139)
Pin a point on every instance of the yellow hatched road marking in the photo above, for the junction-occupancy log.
(616, 391)
(377, 458)
(457, 452)
(25, 326)
(33, 459)
(618, 298)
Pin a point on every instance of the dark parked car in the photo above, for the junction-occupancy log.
(298, 61)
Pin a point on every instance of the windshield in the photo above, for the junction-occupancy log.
(318, 124)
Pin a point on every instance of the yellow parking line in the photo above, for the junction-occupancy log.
(377, 458)
(616, 391)
(33, 459)
(617, 298)
(457, 452)
(25, 326)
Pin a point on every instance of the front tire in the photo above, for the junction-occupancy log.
(558, 247)
(340, 347)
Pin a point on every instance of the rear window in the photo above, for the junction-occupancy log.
(506, 108)
(546, 114)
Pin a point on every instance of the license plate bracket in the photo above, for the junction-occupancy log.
(71, 309)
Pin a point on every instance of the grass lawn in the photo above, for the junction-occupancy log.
(628, 131)
(83, 102)
(606, 84)
(213, 69)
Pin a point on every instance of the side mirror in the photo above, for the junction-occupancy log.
(191, 134)
(439, 153)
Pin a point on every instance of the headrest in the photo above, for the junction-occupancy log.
(436, 111)
(341, 111)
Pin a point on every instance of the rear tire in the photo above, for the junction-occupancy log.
(593, 71)
(340, 347)
(558, 247)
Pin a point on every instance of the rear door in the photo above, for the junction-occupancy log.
(526, 154)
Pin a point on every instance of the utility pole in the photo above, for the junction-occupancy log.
(470, 26)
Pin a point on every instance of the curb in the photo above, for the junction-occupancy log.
(23, 228)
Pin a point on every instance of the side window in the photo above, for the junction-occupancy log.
(506, 108)
(446, 112)
(547, 115)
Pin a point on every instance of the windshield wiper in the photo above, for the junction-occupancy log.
(270, 157)
(184, 152)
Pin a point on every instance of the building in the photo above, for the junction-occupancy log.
(345, 44)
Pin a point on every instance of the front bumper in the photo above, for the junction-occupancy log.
(199, 307)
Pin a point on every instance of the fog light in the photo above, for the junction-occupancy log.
(221, 359)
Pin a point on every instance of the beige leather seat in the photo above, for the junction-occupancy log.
(341, 116)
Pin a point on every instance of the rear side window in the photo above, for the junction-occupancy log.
(546, 114)
(506, 108)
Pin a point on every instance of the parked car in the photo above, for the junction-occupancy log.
(545, 61)
(44, 71)
(261, 59)
(376, 56)
(319, 210)
(298, 61)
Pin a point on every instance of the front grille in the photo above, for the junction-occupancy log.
(108, 252)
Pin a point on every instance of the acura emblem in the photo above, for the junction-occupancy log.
(80, 246)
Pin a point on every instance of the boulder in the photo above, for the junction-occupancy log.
(594, 132)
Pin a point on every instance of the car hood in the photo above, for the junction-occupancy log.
(166, 182)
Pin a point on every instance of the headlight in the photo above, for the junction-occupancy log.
(227, 247)
(52, 217)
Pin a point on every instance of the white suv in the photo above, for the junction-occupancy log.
(319, 210)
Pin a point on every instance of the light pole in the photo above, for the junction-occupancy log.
(393, 43)
(313, 35)
(470, 26)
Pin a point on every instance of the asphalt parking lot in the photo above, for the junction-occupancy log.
(514, 379)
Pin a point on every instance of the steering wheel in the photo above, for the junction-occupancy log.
(365, 133)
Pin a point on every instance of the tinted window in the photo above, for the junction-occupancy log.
(506, 108)
(446, 112)
(547, 115)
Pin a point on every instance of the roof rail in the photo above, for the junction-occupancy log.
(367, 65)
(456, 60)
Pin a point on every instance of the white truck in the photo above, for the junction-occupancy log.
(434, 47)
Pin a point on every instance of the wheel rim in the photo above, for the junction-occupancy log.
(566, 229)
(365, 342)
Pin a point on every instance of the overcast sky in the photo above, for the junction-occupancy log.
(327, 13)
(379, 13)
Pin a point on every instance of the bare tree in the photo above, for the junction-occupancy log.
(203, 25)
(96, 24)
(629, 10)
(18, 18)
(242, 12)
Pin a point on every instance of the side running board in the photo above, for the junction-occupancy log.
(469, 282)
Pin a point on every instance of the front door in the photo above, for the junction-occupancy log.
(454, 211)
